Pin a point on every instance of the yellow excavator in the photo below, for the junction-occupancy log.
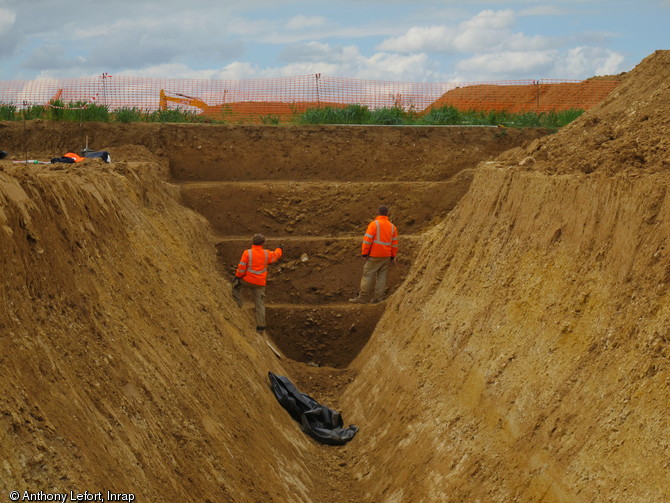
(182, 99)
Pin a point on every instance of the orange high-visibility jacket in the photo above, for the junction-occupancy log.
(381, 238)
(253, 266)
(74, 157)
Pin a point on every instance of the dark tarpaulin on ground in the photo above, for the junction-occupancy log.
(318, 421)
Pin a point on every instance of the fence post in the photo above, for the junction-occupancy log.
(318, 95)
(105, 75)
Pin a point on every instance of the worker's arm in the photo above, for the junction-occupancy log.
(243, 265)
(273, 256)
(394, 242)
(368, 238)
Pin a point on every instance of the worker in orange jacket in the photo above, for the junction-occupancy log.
(379, 248)
(252, 272)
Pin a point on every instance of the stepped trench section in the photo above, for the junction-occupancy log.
(313, 191)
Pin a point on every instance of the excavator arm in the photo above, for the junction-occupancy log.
(182, 99)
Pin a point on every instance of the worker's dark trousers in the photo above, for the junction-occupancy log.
(259, 300)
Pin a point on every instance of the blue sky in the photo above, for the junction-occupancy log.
(397, 40)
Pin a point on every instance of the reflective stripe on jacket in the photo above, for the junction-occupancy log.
(381, 238)
(253, 266)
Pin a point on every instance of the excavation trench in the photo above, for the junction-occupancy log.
(150, 357)
(314, 198)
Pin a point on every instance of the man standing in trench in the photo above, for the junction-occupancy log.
(380, 247)
(252, 272)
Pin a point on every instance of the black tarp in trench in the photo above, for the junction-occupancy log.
(318, 421)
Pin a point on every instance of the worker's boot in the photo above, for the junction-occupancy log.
(357, 300)
(260, 330)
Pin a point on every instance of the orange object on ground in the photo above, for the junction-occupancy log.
(74, 157)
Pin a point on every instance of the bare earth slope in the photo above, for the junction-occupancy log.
(122, 365)
(527, 355)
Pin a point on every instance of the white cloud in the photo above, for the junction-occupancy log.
(302, 22)
(516, 63)
(485, 31)
(421, 38)
(329, 60)
(592, 61)
(574, 63)
(317, 51)
(348, 61)
(387, 39)
(9, 35)
(413, 67)
(7, 19)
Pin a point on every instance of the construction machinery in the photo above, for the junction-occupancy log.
(182, 99)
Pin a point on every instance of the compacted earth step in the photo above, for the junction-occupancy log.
(322, 334)
(321, 208)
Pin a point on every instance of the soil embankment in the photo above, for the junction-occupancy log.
(123, 365)
(532, 332)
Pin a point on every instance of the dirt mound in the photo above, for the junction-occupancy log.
(519, 98)
(532, 333)
(258, 112)
(624, 132)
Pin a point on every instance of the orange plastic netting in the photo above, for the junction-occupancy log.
(249, 100)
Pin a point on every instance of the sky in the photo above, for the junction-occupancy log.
(392, 40)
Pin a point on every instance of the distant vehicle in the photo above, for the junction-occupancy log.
(182, 99)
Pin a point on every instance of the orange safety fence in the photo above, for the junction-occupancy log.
(250, 100)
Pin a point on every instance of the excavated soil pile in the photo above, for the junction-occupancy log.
(527, 355)
(530, 97)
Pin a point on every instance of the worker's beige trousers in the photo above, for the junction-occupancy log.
(374, 271)
(259, 300)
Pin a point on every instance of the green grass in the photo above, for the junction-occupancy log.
(442, 116)
(349, 114)
(7, 112)
(127, 115)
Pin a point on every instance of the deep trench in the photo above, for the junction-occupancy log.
(309, 318)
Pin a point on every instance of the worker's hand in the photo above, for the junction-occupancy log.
(393, 260)
(236, 281)
(365, 256)
(281, 247)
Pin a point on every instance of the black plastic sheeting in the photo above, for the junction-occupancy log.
(318, 421)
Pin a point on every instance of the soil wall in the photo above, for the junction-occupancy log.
(532, 336)
(123, 366)
(532, 332)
